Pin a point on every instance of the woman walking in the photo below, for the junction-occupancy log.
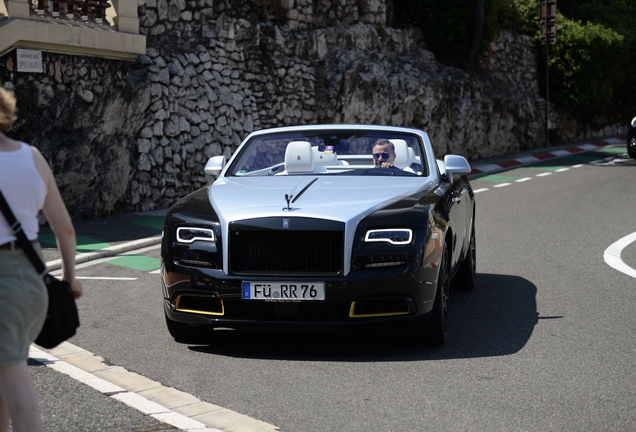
(28, 185)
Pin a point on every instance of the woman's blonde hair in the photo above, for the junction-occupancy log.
(7, 109)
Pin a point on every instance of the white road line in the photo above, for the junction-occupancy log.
(502, 185)
(107, 278)
(147, 396)
(613, 258)
(525, 179)
(563, 169)
(131, 399)
(528, 159)
(578, 165)
(544, 174)
(561, 153)
(480, 190)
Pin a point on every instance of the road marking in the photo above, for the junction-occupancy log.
(106, 278)
(502, 185)
(562, 170)
(84, 244)
(525, 179)
(137, 262)
(114, 391)
(612, 255)
(544, 174)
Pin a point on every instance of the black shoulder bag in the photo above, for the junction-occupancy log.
(62, 319)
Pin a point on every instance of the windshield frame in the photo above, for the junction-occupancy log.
(351, 145)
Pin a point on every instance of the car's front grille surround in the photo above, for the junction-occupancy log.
(268, 252)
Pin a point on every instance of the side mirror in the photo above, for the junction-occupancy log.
(214, 165)
(456, 164)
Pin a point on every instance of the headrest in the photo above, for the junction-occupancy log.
(299, 157)
(327, 157)
(402, 154)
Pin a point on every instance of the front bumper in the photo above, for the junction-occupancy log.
(373, 297)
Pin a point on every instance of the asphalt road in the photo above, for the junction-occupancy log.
(547, 341)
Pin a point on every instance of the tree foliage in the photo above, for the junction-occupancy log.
(590, 64)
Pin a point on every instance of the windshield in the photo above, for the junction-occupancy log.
(355, 152)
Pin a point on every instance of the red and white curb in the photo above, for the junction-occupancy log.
(539, 157)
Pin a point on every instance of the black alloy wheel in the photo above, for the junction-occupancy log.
(437, 327)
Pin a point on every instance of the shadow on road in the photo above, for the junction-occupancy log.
(496, 319)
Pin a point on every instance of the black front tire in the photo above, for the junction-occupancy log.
(183, 332)
(437, 327)
(466, 279)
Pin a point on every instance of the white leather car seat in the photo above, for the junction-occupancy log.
(299, 158)
(322, 158)
(404, 156)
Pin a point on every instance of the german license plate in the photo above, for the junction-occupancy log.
(284, 291)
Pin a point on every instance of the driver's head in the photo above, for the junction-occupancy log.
(383, 153)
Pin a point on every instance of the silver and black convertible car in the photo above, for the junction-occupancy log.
(330, 226)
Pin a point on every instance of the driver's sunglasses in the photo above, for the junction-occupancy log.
(383, 155)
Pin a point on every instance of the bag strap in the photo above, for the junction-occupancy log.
(16, 227)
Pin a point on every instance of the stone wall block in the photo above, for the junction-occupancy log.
(162, 10)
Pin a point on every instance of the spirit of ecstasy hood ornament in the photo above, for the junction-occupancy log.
(290, 198)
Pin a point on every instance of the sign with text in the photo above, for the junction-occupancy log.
(29, 60)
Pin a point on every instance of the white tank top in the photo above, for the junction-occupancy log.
(24, 190)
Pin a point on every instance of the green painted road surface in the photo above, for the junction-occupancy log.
(135, 262)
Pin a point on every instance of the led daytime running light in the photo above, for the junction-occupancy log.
(394, 236)
(191, 234)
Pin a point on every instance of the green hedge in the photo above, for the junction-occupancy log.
(591, 63)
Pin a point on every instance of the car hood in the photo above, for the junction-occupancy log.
(342, 198)
(346, 199)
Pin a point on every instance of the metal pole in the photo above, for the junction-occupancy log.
(547, 62)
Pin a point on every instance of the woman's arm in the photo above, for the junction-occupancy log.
(61, 224)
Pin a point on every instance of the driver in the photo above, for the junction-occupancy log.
(383, 154)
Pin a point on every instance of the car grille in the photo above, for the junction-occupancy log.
(286, 252)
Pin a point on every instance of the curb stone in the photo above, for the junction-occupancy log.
(530, 158)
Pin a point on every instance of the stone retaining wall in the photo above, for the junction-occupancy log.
(135, 136)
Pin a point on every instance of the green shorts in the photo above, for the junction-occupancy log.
(23, 305)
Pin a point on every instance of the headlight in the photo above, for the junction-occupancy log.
(190, 234)
(395, 236)
(634, 122)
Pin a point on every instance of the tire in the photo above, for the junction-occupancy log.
(466, 278)
(183, 332)
(437, 328)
